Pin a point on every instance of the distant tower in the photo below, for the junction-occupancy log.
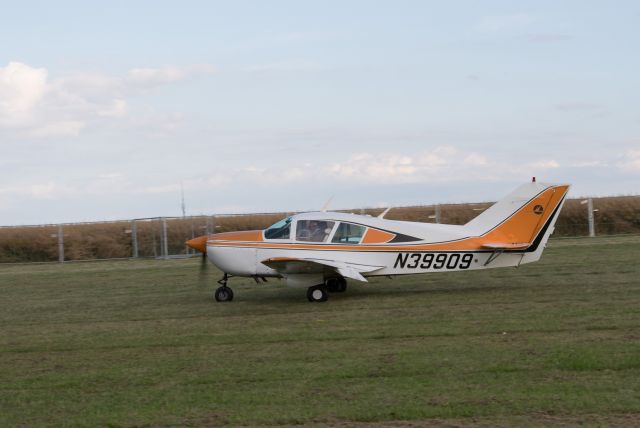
(184, 211)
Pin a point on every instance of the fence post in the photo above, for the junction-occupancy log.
(165, 243)
(438, 213)
(134, 239)
(592, 227)
(212, 226)
(60, 244)
(193, 235)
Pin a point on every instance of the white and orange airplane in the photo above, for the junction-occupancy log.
(321, 250)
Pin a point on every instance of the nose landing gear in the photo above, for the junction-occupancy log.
(224, 293)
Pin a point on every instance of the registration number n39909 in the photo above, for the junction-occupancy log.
(433, 260)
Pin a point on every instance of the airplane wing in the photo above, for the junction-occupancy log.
(291, 265)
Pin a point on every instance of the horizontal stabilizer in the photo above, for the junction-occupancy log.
(506, 246)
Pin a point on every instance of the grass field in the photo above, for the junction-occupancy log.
(143, 343)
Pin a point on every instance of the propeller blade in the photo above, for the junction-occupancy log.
(200, 244)
(203, 270)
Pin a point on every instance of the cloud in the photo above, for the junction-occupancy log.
(118, 108)
(34, 106)
(59, 128)
(46, 190)
(631, 161)
(444, 163)
(149, 77)
(544, 164)
(212, 181)
(589, 164)
(21, 90)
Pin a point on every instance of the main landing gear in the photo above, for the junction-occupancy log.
(224, 293)
(317, 293)
(320, 293)
(336, 285)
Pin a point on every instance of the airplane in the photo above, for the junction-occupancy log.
(320, 250)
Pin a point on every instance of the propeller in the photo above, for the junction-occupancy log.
(204, 265)
(200, 244)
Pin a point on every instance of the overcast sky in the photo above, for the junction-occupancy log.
(254, 106)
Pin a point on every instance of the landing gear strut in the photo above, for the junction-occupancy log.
(224, 293)
(320, 293)
(336, 285)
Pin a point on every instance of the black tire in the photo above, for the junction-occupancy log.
(336, 285)
(342, 285)
(224, 294)
(317, 293)
(332, 285)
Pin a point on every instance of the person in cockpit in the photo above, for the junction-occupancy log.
(317, 231)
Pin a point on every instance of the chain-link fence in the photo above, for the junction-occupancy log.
(165, 237)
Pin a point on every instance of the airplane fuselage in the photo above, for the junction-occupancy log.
(309, 249)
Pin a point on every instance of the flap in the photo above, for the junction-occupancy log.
(303, 265)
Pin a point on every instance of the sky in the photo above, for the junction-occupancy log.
(109, 109)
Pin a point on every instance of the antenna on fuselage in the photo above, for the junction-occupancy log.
(325, 207)
(384, 213)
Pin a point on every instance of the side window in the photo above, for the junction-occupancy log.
(348, 233)
(313, 230)
(280, 230)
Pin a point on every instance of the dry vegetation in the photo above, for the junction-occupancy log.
(615, 215)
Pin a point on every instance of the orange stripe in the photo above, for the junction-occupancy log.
(244, 235)
(375, 236)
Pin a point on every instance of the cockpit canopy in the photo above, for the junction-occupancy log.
(317, 231)
(313, 230)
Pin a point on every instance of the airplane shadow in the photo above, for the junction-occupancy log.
(359, 292)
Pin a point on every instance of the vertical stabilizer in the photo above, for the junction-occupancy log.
(520, 218)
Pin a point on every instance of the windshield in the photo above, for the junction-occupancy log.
(280, 230)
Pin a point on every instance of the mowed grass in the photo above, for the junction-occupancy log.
(144, 343)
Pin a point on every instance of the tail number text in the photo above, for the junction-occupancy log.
(433, 261)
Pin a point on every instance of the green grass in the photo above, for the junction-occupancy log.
(143, 343)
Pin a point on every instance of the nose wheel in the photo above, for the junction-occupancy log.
(224, 293)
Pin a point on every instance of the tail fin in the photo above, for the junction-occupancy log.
(523, 220)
